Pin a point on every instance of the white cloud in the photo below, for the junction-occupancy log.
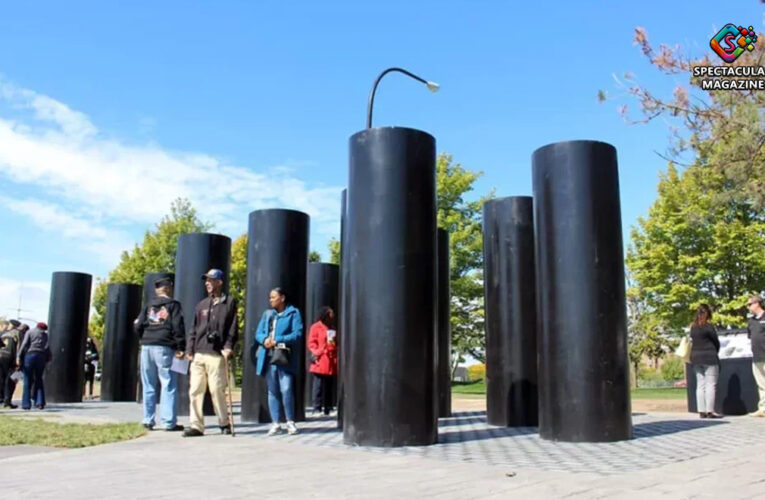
(34, 297)
(111, 184)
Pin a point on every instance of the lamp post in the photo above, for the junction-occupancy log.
(432, 86)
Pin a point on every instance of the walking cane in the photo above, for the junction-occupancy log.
(230, 398)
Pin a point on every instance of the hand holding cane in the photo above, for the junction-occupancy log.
(230, 401)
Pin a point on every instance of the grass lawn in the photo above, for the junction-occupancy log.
(20, 430)
(478, 389)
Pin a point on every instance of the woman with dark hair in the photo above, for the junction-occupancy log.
(33, 355)
(278, 337)
(91, 358)
(322, 344)
(705, 361)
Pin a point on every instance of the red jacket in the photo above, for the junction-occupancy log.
(326, 353)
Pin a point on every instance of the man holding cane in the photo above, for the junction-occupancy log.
(210, 344)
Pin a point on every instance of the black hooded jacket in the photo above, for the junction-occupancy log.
(161, 323)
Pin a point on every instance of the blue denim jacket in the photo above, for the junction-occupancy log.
(289, 330)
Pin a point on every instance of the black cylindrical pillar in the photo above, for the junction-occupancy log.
(148, 294)
(583, 368)
(323, 290)
(443, 328)
(511, 315)
(343, 306)
(277, 256)
(67, 331)
(196, 254)
(390, 376)
(119, 354)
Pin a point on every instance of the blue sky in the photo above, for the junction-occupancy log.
(108, 112)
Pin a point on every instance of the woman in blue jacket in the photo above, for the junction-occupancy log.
(279, 337)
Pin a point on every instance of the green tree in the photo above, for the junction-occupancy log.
(334, 251)
(314, 256)
(238, 289)
(463, 221)
(155, 254)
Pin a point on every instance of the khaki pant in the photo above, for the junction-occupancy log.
(207, 369)
(758, 368)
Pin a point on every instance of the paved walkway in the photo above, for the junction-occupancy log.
(672, 456)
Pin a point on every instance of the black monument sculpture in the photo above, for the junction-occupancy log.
(511, 314)
(119, 355)
(343, 306)
(583, 367)
(196, 254)
(277, 256)
(67, 331)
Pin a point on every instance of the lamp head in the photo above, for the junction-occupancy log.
(433, 86)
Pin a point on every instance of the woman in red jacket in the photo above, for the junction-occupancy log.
(322, 344)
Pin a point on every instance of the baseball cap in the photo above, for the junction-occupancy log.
(15, 323)
(215, 274)
(164, 281)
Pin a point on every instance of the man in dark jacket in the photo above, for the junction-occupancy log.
(756, 327)
(212, 337)
(9, 344)
(161, 331)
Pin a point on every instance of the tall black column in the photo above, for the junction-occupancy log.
(390, 378)
(583, 368)
(148, 294)
(323, 290)
(443, 328)
(277, 256)
(67, 329)
(196, 254)
(511, 315)
(343, 306)
(120, 348)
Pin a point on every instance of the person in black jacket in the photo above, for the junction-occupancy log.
(10, 339)
(161, 331)
(91, 358)
(756, 328)
(706, 364)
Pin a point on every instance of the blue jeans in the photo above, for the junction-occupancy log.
(281, 389)
(155, 366)
(34, 366)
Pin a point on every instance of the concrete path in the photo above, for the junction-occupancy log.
(672, 456)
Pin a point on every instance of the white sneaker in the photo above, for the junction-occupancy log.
(291, 428)
(274, 430)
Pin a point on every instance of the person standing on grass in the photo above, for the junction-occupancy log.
(161, 332)
(706, 363)
(34, 353)
(756, 328)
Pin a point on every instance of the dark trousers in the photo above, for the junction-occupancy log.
(34, 366)
(90, 375)
(6, 384)
(322, 392)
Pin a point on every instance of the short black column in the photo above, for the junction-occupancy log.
(148, 294)
(120, 348)
(443, 328)
(67, 330)
(511, 315)
(277, 256)
(196, 254)
(323, 290)
(343, 306)
(390, 378)
(583, 368)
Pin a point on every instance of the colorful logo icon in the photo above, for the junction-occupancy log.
(729, 43)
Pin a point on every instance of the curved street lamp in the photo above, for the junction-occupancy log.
(432, 86)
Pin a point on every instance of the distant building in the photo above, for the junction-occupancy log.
(460, 375)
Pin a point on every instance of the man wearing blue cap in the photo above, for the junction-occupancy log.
(213, 336)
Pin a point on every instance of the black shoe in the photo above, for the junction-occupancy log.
(40, 407)
(225, 429)
(192, 432)
(148, 427)
(175, 428)
(11, 406)
(703, 414)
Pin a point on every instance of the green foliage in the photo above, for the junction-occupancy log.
(672, 369)
(314, 256)
(38, 432)
(237, 288)
(155, 254)
(469, 388)
(476, 372)
(334, 251)
(463, 221)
